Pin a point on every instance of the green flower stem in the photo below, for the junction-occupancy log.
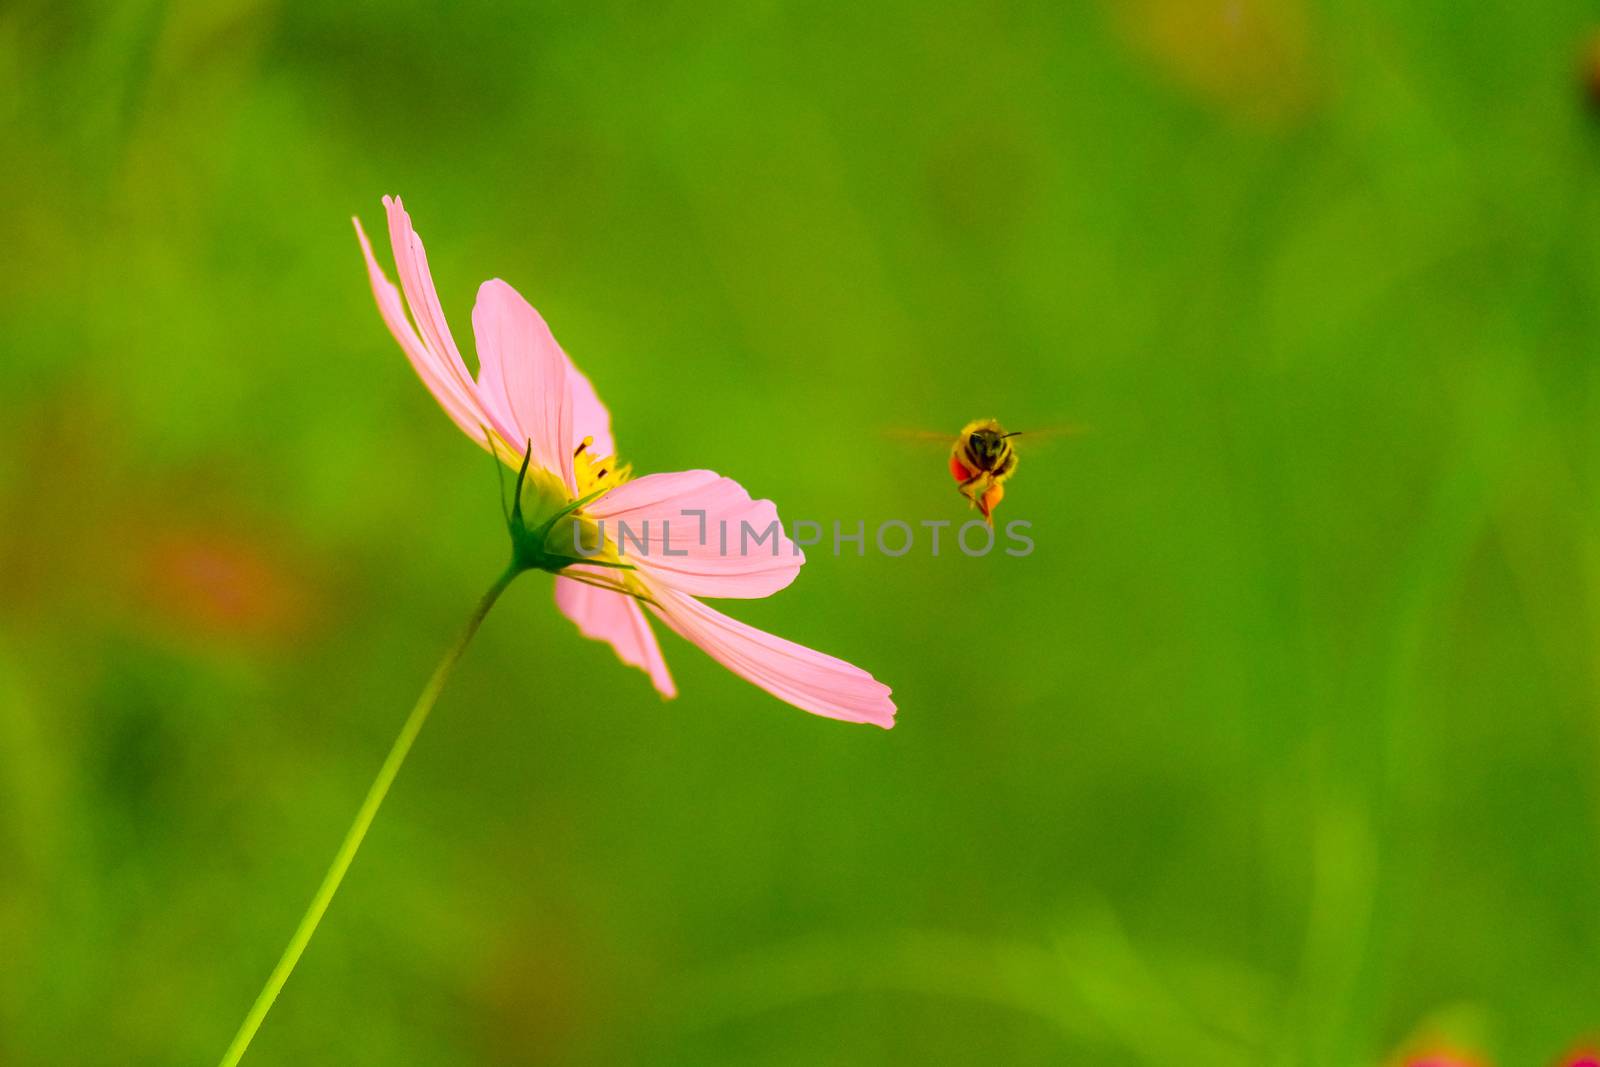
(358, 829)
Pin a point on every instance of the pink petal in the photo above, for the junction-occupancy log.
(411, 262)
(728, 562)
(523, 377)
(589, 417)
(526, 390)
(459, 402)
(612, 617)
(804, 677)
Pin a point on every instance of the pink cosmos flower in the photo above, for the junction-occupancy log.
(537, 412)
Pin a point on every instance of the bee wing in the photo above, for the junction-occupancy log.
(920, 436)
(1029, 439)
(1065, 429)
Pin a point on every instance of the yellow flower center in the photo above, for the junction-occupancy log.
(594, 473)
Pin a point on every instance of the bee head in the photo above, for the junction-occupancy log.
(985, 444)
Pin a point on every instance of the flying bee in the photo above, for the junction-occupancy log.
(982, 459)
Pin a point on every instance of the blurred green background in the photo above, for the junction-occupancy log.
(1280, 749)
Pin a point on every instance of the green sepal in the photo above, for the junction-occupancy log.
(530, 536)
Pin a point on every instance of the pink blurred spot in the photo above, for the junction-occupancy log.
(219, 583)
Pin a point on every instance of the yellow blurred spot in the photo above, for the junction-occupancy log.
(1248, 57)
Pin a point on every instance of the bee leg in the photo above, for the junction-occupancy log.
(989, 500)
(967, 489)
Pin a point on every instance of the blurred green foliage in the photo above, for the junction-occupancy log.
(1280, 749)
